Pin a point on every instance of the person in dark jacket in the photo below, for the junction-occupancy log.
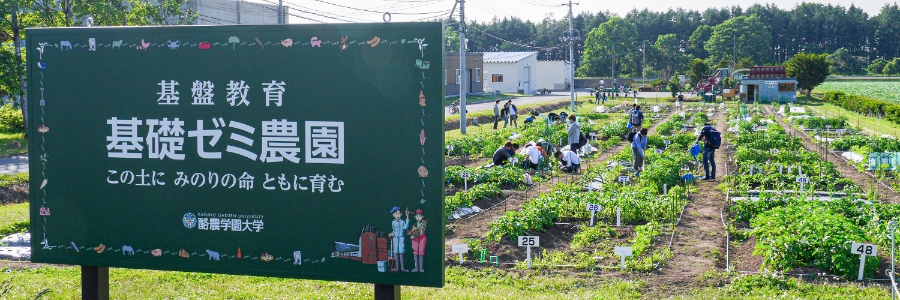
(637, 118)
(502, 155)
(709, 152)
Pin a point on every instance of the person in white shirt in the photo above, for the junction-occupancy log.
(533, 155)
(570, 161)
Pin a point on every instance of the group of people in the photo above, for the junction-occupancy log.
(509, 113)
(638, 139)
(570, 162)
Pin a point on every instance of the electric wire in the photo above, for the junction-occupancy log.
(290, 14)
(379, 12)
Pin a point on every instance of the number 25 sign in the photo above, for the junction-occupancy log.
(529, 241)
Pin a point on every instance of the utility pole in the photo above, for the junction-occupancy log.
(280, 12)
(238, 4)
(734, 54)
(462, 66)
(570, 37)
(644, 67)
(613, 66)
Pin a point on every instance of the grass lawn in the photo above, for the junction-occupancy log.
(479, 99)
(455, 134)
(64, 283)
(6, 138)
(873, 126)
(13, 213)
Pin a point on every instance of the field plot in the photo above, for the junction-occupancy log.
(882, 90)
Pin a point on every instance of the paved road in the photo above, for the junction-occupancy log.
(14, 164)
(519, 101)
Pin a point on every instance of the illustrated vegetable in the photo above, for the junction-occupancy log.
(204, 45)
(233, 40)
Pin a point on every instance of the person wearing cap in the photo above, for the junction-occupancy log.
(417, 234)
(398, 228)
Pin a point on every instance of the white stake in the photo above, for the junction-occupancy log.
(618, 216)
(592, 218)
(862, 265)
(528, 253)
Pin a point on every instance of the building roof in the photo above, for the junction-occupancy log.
(506, 57)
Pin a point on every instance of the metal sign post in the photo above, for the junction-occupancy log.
(622, 252)
(802, 180)
(528, 242)
(863, 250)
(618, 216)
(593, 208)
(460, 248)
(465, 176)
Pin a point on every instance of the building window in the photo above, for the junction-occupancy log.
(786, 87)
(477, 74)
(496, 77)
(457, 77)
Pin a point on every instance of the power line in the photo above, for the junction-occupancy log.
(515, 43)
(321, 14)
(379, 12)
(293, 15)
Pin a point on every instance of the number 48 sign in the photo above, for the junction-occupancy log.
(863, 250)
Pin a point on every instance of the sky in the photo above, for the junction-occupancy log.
(331, 11)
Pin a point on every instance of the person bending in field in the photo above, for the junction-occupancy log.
(533, 155)
(638, 145)
(569, 160)
(502, 155)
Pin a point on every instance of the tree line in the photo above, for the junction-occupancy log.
(666, 41)
(16, 15)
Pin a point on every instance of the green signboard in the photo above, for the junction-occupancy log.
(303, 151)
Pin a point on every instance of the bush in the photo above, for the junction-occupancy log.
(11, 119)
(809, 235)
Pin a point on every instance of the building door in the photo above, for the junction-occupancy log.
(527, 83)
(751, 93)
(471, 80)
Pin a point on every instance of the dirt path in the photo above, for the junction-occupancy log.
(699, 243)
(848, 171)
(478, 225)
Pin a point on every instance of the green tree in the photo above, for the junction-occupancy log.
(698, 40)
(670, 49)
(892, 68)
(674, 85)
(724, 63)
(747, 36)
(699, 71)
(877, 66)
(844, 63)
(809, 69)
(616, 33)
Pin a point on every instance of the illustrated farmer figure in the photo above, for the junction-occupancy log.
(398, 227)
(417, 234)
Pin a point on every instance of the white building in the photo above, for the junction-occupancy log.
(552, 74)
(510, 72)
(231, 12)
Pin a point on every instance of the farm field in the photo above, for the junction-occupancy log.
(754, 233)
(882, 90)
